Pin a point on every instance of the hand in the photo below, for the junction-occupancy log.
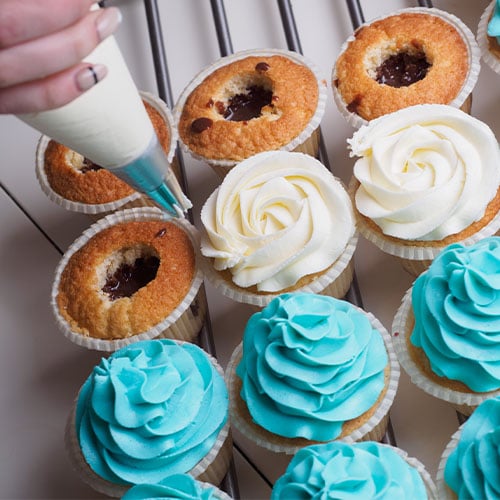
(42, 44)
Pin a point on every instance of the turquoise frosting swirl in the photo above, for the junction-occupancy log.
(150, 410)
(177, 486)
(456, 304)
(473, 467)
(494, 22)
(340, 470)
(310, 363)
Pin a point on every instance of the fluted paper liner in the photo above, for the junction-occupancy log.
(444, 491)
(462, 100)
(210, 469)
(488, 57)
(306, 142)
(98, 210)
(334, 281)
(371, 430)
(183, 323)
(465, 402)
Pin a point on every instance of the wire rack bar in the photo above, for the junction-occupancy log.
(425, 3)
(222, 27)
(355, 13)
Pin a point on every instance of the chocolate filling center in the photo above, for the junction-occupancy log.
(88, 166)
(402, 69)
(128, 278)
(245, 106)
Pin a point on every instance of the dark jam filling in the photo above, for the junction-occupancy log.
(403, 69)
(244, 107)
(88, 166)
(128, 278)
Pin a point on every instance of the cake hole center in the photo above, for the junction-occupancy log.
(89, 166)
(248, 105)
(130, 271)
(81, 163)
(402, 69)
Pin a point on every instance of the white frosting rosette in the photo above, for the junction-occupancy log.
(424, 173)
(278, 218)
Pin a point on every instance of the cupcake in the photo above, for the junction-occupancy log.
(359, 470)
(447, 331)
(249, 102)
(151, 410)
(488, 36)
(177, 486)
(132, 275)
(77, 184)
(470, 464)
(414, 56)
(426, 176)
(311, 369)
(279, 222)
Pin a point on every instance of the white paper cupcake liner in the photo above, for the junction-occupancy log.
(98, 210)
(444, 491)
(372, 430)
(183, 323)
(482, 39)
(334, 281)
(462, 401)
(474, 56)
(307, 141)
(210, 469)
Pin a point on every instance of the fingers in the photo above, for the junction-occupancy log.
(56, 52)
(24, 20)
(51, 92)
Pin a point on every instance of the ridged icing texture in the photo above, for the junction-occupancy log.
(472, 468)
(425, 172)
(456, 305)
(150, 410)
(276, 217)
(494, 22)
(310, 363)
(340, 470)
(177, 486)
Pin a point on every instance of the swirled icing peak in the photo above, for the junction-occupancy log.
(456, 305)
(494, 22)
(152, 409)
(309, 364)
(276, 217)
(426, 171)
(340, 470)
(175, 487)
(473, 467)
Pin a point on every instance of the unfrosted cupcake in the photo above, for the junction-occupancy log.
(414, 56)
(426, 176)
(151, 410)
(249, 102)
(470, 464)
(311, 369)
(279, 222)
(177, 486)
(132, 275)
(75, 183)
(447, 330)
(488, 36)
(359, 470)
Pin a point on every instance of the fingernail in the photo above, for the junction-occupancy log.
(108, 21)
(89, 76)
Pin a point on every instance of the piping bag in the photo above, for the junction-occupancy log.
(109, 125)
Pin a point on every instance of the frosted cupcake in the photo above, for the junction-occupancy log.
(426, 176)
(470, 464)
(249, 102)
(177, 486)
(446, 332)
(151, 410)
(488, 36)
(131, 276)
(358, 470)
(75, 183)
(414, 56)
(311, 369)
(279, 222)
